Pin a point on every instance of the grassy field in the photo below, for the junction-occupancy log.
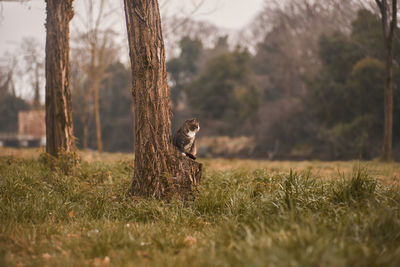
(248, 213)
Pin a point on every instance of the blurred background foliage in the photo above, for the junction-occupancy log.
(323, 101)
(303, 81)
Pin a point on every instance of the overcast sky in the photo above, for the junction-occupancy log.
(27, 19)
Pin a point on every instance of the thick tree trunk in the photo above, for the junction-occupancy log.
(59, 126)
(160, 170)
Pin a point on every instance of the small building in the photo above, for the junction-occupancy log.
(31, 130)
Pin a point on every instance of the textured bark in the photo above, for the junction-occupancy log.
(160, 170)
(388, 26)
(59, 126)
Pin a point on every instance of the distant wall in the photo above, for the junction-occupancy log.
(32, 123)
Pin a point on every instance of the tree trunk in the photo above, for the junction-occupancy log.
(59, 126)
(85, 134)
(388, 105)
(96, 105)
(36, 98)
(389, 24)
(160, 170)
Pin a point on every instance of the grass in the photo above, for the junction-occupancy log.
(248, 213)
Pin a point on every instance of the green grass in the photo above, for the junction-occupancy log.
(254, 216)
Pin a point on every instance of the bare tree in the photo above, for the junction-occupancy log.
(81, 93)
(6, 77)
(33, 66)
(7, 73)
(97, 42)
(302, 22)
(389, 25)
(160, 170)
(59, 125)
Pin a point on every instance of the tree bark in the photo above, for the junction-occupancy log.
(95, 88)
(59, 126)
(389, 24)
(96, 105)
(36, 98)
(160, 170)
(388, 105)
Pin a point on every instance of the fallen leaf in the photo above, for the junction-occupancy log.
(106, 260)
(101, 262)
(97, 262)
(71, 214)
(46, 256)
(189, 240)
(93, 232)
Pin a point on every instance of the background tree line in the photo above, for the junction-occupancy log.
(306, 80)
(306, 91)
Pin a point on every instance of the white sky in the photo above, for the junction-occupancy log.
(20, 20)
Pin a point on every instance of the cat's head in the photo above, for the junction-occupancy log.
(192, 125)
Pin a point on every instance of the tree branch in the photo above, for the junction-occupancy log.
(393, 23)
(380, 4)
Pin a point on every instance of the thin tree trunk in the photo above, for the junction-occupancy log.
(84, 116)
(160, 170)
(95, 89)
(388, 105)
(96, 85)
(85, 133)
(59, 125)
(389, 24)
(36, 99)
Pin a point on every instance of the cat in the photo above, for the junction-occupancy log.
(184, 138)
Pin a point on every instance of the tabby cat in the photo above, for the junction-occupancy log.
(184, 138)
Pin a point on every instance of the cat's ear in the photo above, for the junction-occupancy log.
(196, 116)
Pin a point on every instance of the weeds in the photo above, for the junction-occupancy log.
(359, 188)
(65, 162)
(241, 217)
